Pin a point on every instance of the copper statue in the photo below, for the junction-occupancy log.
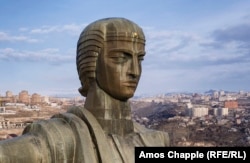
(109, 56)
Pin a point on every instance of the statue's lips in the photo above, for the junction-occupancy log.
(130, 84)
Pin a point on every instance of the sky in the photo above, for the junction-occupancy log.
(191, 46)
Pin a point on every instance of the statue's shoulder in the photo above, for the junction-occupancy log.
(152, 137)
(58, 122)
(67, 135)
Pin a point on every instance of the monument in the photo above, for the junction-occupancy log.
(109, 56)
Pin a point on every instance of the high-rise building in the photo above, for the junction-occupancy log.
(196, 111)
(36, 99)
(220, 111)
(24, 97)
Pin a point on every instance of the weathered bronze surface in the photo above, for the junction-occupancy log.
(109, 56)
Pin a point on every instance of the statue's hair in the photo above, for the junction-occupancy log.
(91, 44)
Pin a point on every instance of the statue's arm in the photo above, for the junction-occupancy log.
(47, 141)
(22, 149)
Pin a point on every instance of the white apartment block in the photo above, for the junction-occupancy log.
(220, 111)
(197, 111)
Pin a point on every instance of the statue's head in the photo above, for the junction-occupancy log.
(109, 52)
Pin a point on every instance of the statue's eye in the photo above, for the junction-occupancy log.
(120, 57)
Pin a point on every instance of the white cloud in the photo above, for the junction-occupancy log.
(178, 49)
(71, 28)
(45, 55)
(6, 37)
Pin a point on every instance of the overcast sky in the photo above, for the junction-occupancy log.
(191, 45)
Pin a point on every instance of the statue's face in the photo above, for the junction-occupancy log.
(119, 68)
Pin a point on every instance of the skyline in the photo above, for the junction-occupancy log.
(190, 46)
(211, 92)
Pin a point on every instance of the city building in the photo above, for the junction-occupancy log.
(35, 99)
(220, 111)
(24, 97)
(232, 104)
(196, 111)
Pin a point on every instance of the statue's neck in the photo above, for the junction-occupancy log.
(113, 115)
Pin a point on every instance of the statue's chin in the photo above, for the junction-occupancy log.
(123, 97)
(122, 94)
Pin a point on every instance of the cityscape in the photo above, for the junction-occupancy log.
(192, 119)
(70, 69)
